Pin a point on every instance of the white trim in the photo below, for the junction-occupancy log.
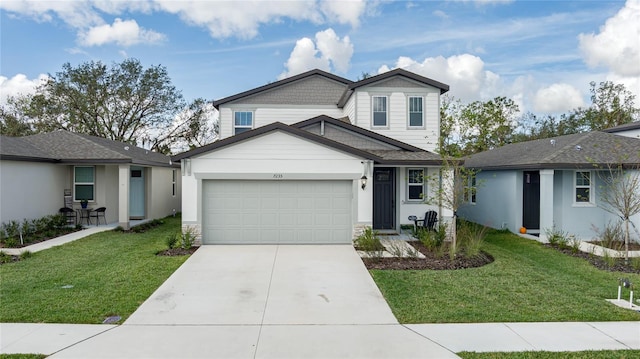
(386, 102)
(422, 99)
(409, 185)
(590, 188)
(233, 120)
(93, 195)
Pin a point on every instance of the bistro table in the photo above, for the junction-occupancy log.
(83, 213)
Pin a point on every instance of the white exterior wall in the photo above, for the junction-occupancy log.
(31, 189)
(397, 112)
(274, 156)
(160, 200)
(267, 114)
(417, 208)
(350, 109)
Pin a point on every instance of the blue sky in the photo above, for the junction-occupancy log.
(542, 54)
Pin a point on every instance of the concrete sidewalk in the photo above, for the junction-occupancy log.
(291, 302)
(74, 236)
(314, 341)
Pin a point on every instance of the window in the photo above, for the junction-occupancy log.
(416, 118)
(470, 189)
(173, 182)
(242, 121)
(379, 109)
(83, 183)
(583, 187)
(415, 184)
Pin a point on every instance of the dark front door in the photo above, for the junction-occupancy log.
(531, 200)
(384, 212)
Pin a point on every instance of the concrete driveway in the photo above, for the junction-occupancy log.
(263, 302)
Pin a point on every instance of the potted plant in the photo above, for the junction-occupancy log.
(83, 203)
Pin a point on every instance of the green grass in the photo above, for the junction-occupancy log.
(22, 356)
(112, 273)
(527, 283)
(600, 354)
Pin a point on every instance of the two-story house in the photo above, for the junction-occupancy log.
(315, 158)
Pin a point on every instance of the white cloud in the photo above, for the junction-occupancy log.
(18, 85)
(123, 33)
(328, 51)
(344, 11)
(77, 14)
(617, 45)
(228, 19)
(441, 14)
(222, 19)
(465, 74)
(557, 98)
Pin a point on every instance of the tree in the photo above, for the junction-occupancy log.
(124, 102)
(611, 105)
(476, 127)
(11, 122)
(455, 186)
(620, 191)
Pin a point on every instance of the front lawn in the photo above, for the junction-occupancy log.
(527, 282)
(106, 274)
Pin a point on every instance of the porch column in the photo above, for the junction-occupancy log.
(546, 203)
(123, 196)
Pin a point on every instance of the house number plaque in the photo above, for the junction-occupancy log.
(278, 176)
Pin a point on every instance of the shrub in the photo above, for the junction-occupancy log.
(471, 238)
(557, 237)
(5, 258)
(11, 242)
(574, 243)
(368, 241)
(189, 237)
(611, 236)
(172, 240)
(430, 239)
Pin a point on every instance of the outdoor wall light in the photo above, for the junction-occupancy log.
(363, 182)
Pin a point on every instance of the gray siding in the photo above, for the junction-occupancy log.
(349, 138)
(316, 90)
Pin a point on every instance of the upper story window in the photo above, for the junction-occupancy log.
(415, 184)
(583, 187)
(242, 121)
(379, 111)
(83, 183)
(416, 112)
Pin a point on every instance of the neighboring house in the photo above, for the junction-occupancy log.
(132, 183)
(550, 182)
(631, 129)
(315, 158)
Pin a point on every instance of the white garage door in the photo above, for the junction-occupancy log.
(272, 212)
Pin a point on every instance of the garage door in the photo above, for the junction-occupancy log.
(276, 212)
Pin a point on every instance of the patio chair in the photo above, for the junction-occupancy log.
(70, 215)
(429, 221)
(97, 213)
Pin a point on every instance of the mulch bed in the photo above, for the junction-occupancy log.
(37, 238)
(177, 252)
(432, 261)
(599, 262)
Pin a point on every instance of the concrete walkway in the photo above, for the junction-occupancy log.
(291, 302)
